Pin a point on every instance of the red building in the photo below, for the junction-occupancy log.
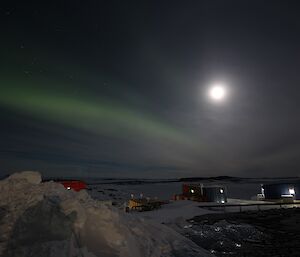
(202, 193)
(76, 185)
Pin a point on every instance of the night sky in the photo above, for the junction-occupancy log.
(119, 88)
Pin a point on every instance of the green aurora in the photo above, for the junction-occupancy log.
(100, 116)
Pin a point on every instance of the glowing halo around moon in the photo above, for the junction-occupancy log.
(217, 93)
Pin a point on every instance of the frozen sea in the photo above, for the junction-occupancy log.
(118, 189)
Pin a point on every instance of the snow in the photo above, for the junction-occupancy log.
(45, 220)
(30, 176)
(175, 212)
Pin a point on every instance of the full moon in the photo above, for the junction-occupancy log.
(217, 92)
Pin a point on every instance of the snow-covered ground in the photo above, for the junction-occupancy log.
(174, 212)
(45, 220)
(119, 192)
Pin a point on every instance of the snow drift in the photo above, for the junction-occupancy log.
(45, 220)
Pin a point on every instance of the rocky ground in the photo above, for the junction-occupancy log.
(270, 233)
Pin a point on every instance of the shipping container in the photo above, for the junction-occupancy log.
(282, 191)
